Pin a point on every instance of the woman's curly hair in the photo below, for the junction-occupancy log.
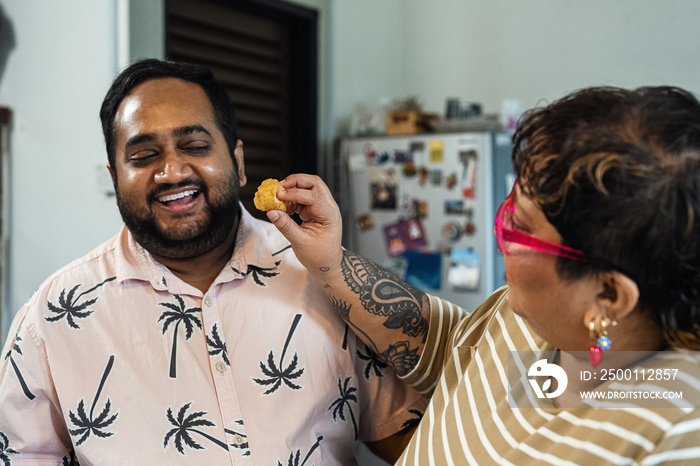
(617, 172)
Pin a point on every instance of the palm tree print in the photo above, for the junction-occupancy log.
(5, 450)
(347, 394)
(87, 425)
(345, 337)
(414, 421)
(374, 362)
(274, 375)
(15, 348)
(70, 459)
(217, 345)
(289, 246)
(259, 273)
(178, 314)
(295, 457)
(69, 306)
(187, 424)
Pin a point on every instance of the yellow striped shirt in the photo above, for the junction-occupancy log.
(469, 420)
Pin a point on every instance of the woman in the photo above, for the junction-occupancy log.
(601, 239)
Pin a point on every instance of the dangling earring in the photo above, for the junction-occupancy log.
(602, 342)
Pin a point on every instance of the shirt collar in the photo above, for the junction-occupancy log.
(135, 263)
(253, 248)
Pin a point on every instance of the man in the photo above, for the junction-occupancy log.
(194, 335)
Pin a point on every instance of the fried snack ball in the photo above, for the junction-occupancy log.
(266, 196)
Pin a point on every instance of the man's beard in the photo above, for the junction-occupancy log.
(221, 215)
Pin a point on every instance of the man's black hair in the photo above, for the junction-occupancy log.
(148, 69)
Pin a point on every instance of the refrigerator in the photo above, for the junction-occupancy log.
(423, 206)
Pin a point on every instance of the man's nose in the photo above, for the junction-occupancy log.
(174, 168)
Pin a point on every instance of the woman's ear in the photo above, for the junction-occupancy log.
(619, 294)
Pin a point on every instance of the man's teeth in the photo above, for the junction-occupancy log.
(174, 197)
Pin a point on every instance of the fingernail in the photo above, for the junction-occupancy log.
(273, 215)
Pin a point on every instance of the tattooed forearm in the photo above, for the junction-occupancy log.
(398, 356)
(382, 293)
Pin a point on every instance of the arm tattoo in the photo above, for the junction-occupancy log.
(382, 293)
(398, 356)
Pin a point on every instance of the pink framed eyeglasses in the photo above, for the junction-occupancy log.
(505, 232)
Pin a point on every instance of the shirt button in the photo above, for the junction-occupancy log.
(237, 440)
(207, 301)
(220, 366)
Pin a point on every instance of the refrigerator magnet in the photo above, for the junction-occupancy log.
(402, 156)
(437, 153)
(452, 231)
(470, 229)
(369, 152)
(451, 181)
(454, 207)
(436, 177)
(414, 234)
(469, 161)
(424, 269)
(365, 222)
(383, 158)
(423, 175)
(416, 146)
(409, 170)
(383, 189)
(394, 237)
(420, 208)
(417, 149)
(463, 272)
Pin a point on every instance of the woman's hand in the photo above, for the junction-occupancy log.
(317, 241)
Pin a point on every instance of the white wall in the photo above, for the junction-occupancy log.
(55, 78)
(487, 51)
(369, 55)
